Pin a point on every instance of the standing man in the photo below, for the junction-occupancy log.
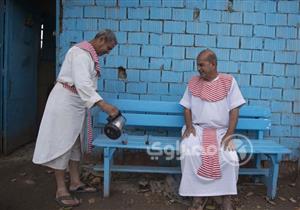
(209, 162)
(59, 140)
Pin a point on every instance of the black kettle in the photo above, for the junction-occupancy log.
(113, 128)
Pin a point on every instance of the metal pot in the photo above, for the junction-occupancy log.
(113, 129)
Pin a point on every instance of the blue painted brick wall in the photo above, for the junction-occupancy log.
(258, 43)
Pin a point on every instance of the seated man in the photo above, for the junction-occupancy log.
(209, 162)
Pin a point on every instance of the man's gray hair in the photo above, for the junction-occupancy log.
(210, 56)
(108, 35)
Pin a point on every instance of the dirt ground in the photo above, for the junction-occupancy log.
(25, 186)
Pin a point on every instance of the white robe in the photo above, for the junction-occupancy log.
(216, 115)
(64, 113)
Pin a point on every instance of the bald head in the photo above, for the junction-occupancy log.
(208, 55)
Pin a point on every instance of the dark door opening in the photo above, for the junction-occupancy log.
(26, 68)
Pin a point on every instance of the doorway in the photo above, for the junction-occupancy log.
(28, 54)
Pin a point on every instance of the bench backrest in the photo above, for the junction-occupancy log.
(170, 115)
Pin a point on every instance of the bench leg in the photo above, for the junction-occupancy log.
(273, 176)
(107, 172)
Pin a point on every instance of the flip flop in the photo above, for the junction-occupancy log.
(60, 200)
(84, 189)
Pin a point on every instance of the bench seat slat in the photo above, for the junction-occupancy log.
(177, 121)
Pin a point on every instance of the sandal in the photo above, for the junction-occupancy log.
(84, 189)
(60, 200)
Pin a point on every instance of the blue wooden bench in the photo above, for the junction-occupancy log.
(169, 115)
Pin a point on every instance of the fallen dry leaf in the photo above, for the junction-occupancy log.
(292, 200)
(13, 180)
(292, 184)
(258, 206)
(282, 198)
(249, 194)
(91, 200)
(23, 174)
(270, 201)
(29, 181)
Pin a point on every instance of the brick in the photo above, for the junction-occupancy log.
(200, 4)
(174, 27)
(228, 42)
(182, 40)
(121, 37)
(293, 19)
(262, 56)
(292, 70)
(264, 31)
(251, 68)
(219, 5)
(171, 98)
(297, 82)
(245, 6)
(183, 14)
(88, 35)
(240, 55)
(177, 89)
(149, 97)
(94, 11)
(243, 80)
(232, 17)
(138, 38)
(192, 52)
(114, 51)
(138, 62)
(128, 96)
(293, 45)
(222, 54)
(151, 51)
(116, 13)
(296, 131)
(288, 6)
(291, 94)
(87, 25)
(280, 130)
(73, 12)
(150, 76)
(133, 75)
(188, 75)
(107, 3)
(160, 39)
(116, 61)
(136, 87)
(219, 29)
(172, 3)
(130, 25)
(275, 118)
(131, 3)
(130, 50)
(251, 43)
(296, 107)
(69, 24)
(169, 76)
(150, 3)
(279, 106)
(265, 6)
(79, 2)
(183, 65)
(276, 19)
(241, 30)
(227, 67)
(265, 103)
(277, 44)
(158, 88)
(285, 57)
(283, 82)
(160, 63)
(138, 13)
(114, 86)
(286, 32)
(210, 15)
(205, 41)
(254, 18)
(160, 13)
(196, 28)
(174, 52)
(261, 81)
(109, 73)
(152, 26)
(250, 92)
(273, 69)
(110, 24)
